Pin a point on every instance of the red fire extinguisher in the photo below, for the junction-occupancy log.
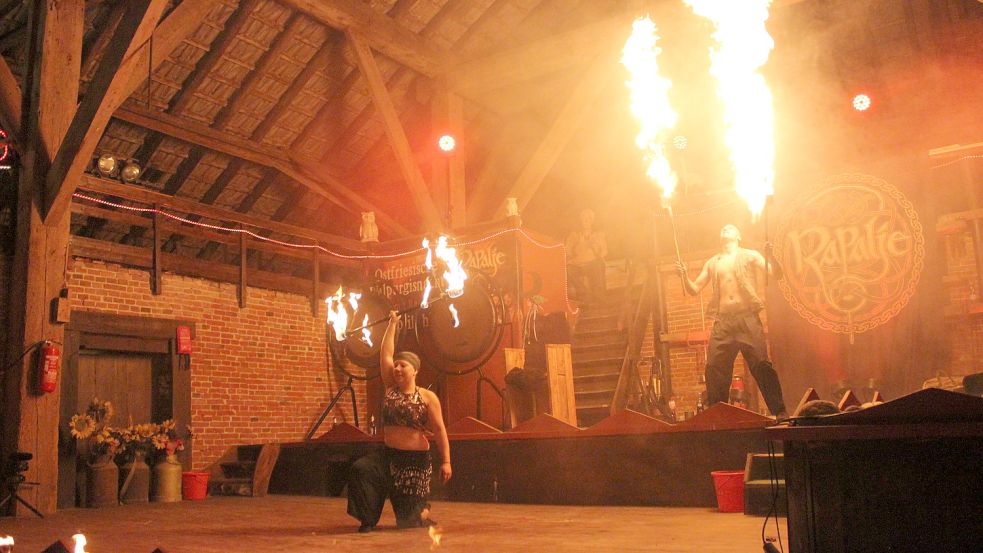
(50, 363)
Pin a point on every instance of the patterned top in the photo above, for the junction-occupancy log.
(399, 409)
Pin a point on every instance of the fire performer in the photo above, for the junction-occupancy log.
(401, 471)
(737, 327)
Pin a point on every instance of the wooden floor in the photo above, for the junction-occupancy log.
(302, 524)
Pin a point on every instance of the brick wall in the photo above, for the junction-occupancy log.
(258, 374)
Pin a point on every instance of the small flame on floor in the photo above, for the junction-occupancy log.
(434, 537)
(80, 543)
(6, 543)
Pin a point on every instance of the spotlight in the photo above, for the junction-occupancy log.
(680, 142)
(861, 102)
(446, 143)
(131, 171)
(107, 165)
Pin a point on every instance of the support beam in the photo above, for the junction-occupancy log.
(93, 114)
(598, 75)
(394, 130)
(378, 31)
(243, 275)
(447, 170)
(228, 144)
(30, 418)
(156, 275)
(10, 104)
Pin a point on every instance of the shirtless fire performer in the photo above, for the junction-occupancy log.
(737, 327)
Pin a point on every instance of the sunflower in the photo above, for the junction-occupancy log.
(160, 441)
(82, 426)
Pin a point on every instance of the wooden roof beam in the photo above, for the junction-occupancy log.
(266, 156)
(114, 82)
(397, 136)
(379, 31)
(470, 78)
(577, 106)
(10, 103)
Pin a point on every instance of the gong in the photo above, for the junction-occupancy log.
(459, 346)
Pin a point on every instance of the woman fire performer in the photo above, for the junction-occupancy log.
(403, 469)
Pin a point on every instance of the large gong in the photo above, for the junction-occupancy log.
(358, 351)
(464, 347)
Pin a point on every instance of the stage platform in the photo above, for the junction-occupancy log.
(319, 524)
(626, 459)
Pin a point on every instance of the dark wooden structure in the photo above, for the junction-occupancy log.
(626, 459)
(900, 476)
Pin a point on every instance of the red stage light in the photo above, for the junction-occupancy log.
(446, 143)
(861, 102)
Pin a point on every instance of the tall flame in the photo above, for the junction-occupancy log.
(6, 540)
(366, 333)
(457, 319)
(337, 314)
(427, 286)
(650, 101)
(743, 46)
(454, 276)
(80, 543)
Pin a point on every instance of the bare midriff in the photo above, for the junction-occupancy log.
(402, 437)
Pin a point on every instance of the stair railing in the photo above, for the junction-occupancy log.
(631, 389)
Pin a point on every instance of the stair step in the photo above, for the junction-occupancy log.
(591, 347)
(238, 469)
(600, 334)
(598, 383)
(596, 367)
(589, 416)
(600, 354)
(593, 398)
(231, 486)
(248, 452)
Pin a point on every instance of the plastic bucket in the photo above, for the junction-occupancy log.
(729, 485)
(194, 485)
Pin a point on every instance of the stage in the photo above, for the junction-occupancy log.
(317, 524)
(625, 459)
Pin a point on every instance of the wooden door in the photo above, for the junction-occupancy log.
(136, 383)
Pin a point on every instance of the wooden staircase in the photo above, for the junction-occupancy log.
(598, 352)
(244, 470)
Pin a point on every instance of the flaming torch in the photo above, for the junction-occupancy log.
(337, 314)
(650, 105)
(80, 543)
(451, 286)
(6, 544)
(743, 46)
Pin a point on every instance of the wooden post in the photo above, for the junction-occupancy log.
(315, 279)
(156, 279)
(243, 258)
(50, 96)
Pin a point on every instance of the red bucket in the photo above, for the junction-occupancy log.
(194, 485)
(730, 490)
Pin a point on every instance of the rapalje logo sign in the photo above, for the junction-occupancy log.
(853, 253)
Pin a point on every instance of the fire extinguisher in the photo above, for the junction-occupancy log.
(49, 365)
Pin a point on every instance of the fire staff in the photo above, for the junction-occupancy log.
(737, 327)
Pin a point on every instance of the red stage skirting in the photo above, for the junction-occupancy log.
(626, 459)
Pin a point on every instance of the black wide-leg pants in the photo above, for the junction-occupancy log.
(402, 476)
(741, 333)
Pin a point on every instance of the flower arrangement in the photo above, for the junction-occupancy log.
(97, 439)
(91, 428)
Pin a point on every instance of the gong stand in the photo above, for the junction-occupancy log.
(334, 401)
